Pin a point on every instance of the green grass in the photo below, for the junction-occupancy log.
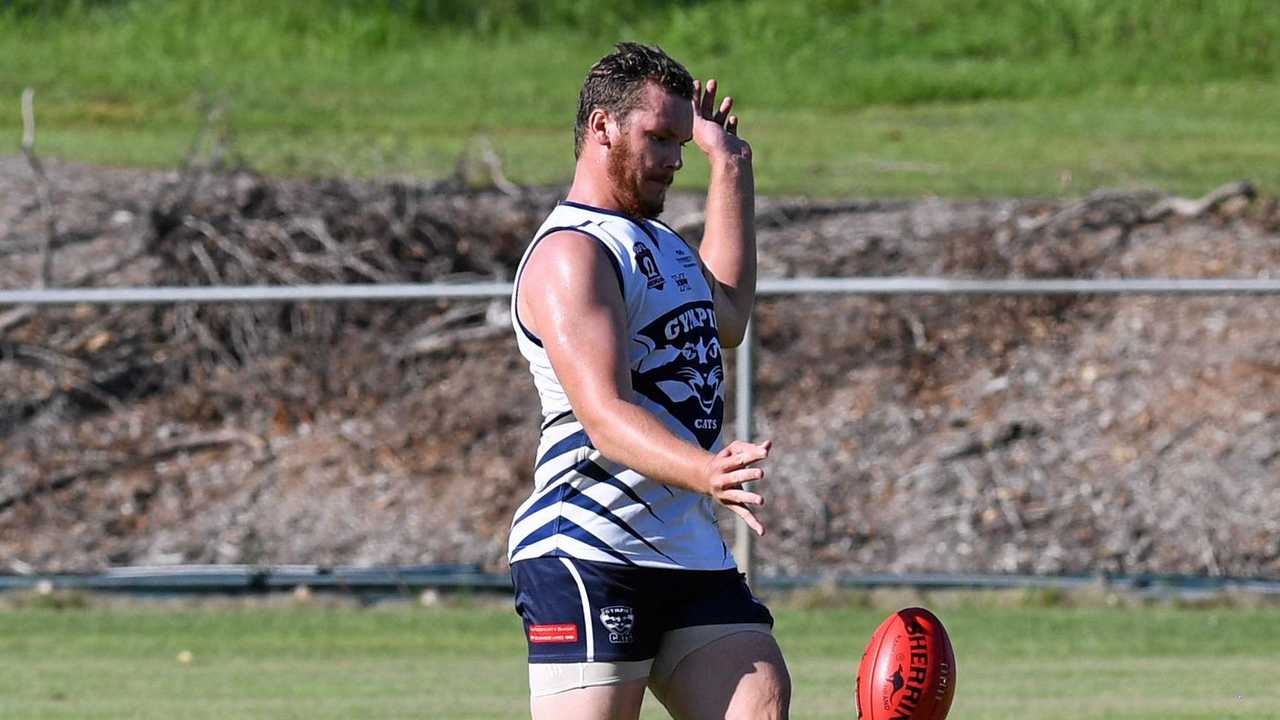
(450, 663)
(950, 97)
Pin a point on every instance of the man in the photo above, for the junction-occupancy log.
(620, 573)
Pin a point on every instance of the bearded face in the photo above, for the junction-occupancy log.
(637, 194)
(645, 153)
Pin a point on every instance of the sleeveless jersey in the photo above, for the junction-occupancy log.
(583, 505)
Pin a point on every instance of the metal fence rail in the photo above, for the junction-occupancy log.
(775, 286)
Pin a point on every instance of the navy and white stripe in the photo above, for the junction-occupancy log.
(584, 499)
(583, 505)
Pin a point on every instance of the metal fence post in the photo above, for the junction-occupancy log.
(743, 378)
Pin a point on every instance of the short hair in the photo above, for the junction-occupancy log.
(616, 81)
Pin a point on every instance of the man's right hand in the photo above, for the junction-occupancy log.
(715, 131)
(729, 469)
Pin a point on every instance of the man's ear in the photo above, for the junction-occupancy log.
(599, 126)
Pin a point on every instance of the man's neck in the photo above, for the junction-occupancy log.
(592, 188)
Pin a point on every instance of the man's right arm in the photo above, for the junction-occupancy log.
(569, 298)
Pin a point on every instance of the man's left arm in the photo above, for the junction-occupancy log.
(728, 248)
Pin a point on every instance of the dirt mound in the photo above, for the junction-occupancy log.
(1062, 434)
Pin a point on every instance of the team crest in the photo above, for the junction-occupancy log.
(682, 371)
(619, 620)
(648, 266)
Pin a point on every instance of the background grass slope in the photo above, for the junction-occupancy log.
(958, 97)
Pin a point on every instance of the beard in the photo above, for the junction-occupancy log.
(628, 179)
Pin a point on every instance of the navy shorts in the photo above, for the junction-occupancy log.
(580, 611)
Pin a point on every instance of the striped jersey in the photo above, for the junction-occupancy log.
(583, 505)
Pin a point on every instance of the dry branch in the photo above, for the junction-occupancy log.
(1182, 207)
(1126, 209)
(494, 165)
(14, 318)
(452, 339)
(44, 194)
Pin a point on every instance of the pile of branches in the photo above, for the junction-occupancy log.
(208, 225)
(246, 230)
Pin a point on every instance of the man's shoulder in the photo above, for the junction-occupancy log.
(564, 241)
(582, 222)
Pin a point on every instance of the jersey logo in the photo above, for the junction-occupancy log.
(619, 621)
(648, 266)
(682, 371)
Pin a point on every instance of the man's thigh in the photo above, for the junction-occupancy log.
(738, 676)
(720, 660)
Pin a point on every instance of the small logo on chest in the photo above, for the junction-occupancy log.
(685, 259)
(649, 266)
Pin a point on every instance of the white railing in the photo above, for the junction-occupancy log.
(787, 286)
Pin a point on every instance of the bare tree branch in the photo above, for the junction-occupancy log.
(1184, 207)
(494, 165)
(15, 318)
(43, 191)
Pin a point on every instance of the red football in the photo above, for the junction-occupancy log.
(908, 671)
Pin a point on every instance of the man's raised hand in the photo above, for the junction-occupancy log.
(714, 128)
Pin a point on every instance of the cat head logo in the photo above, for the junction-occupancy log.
(619, 620)
(701, 382)
(682, 369)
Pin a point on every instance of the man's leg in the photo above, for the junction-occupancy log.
(737, 677)
(602, 702)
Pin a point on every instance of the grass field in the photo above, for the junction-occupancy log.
(839, 97)
(466, 661)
